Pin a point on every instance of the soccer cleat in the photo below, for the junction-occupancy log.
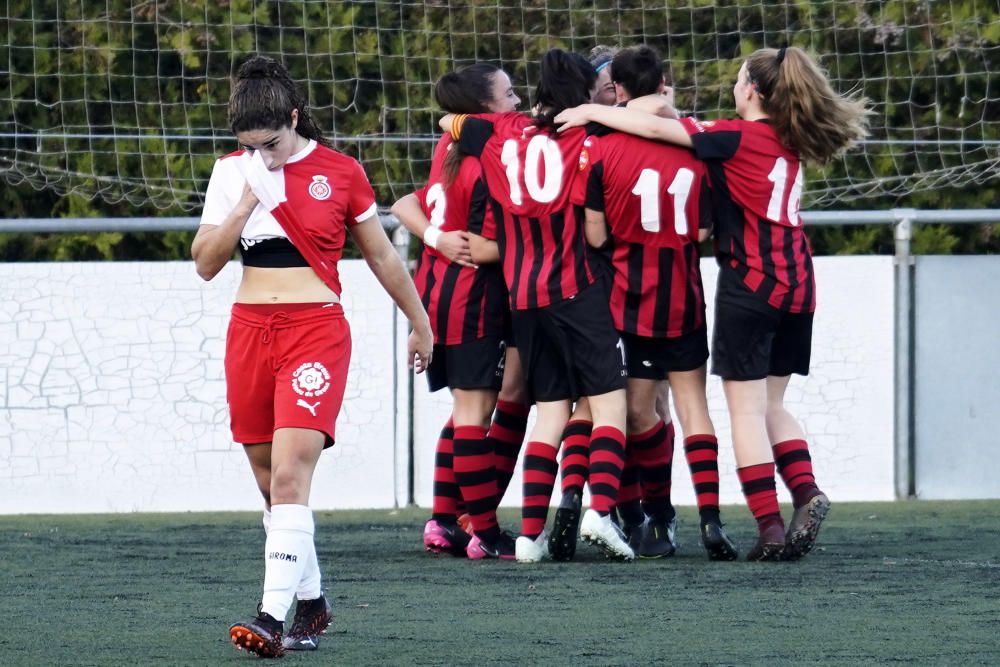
(633, 534)
(527, 550)
(803, 529)
(605, 535)
(440, 537)
(659, 539)
(502, 548)
(770, 543)
(311, 620)
(717, 543)
(562, 542)
(261, 636)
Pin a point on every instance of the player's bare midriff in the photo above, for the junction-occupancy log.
(284, 285)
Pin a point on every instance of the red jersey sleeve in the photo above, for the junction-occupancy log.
(361, 204)
(589, 177)
(713, 139)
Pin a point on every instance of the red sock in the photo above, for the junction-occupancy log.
(506, 435)
(476, 476)
(654, 453)
(576, 454)
(761, 494)
(540, 469)
(795, 466)
(607, 459)
(702, 454)
(447, 498)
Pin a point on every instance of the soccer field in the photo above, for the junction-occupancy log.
(906, 582)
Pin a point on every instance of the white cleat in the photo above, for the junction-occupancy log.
(527, 550)
(605, 535)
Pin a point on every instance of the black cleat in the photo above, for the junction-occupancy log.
(261, 636)
(803, 529)
(633, 534)
(562, 541)
(659, 539)
(717, 543)
(311, 620)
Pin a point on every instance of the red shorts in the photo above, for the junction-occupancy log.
(286, 366)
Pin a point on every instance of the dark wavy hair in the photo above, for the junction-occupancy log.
(638, 70)
(467, 90)
(263, 97)
(565, 82)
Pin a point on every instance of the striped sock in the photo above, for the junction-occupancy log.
(575, 457)
(475, 473)
(447, 497)
(506, 435)
(761, 494)
(702, 454)
(540, 469)
(607, 459)
(654, 451)
(795, 465)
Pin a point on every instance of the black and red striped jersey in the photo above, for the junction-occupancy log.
(531, 174)
(655, 199)
(463, 303)
(756, 187)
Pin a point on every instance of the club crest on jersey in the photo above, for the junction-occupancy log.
(311, 379)
(584, 158)
(319, 188)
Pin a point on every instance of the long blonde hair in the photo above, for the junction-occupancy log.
(808, 115)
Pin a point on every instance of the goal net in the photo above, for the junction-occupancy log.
(126, 101)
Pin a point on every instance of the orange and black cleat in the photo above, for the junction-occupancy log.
(261, 636)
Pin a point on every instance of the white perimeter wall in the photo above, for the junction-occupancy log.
(112, 396)
(846, 403)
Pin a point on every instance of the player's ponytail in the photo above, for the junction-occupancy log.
(566, 81)
(263, 97)
(468, 90)
(808, 115)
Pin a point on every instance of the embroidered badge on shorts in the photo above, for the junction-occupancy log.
(311, 379)
(319, 188)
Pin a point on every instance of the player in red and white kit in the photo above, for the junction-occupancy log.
(653, 200)
(766, 292)
(287, 201)
(561, 321)
(469, 310)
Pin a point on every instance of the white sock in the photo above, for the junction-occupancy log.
(310, 587)
(267, 521)
(286, 552)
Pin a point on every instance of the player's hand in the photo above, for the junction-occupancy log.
(420, 347)
(574, 117)
(455, 246)
(248, 200)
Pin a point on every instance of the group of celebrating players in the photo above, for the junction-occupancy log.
(560, 268)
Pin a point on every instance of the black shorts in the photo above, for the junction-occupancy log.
(750, 342)
(654, 358)
(475, 365)
(570, 348)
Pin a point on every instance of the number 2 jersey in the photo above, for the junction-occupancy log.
(531, 174)
(655, 199)
(756, 187)
(463, 303)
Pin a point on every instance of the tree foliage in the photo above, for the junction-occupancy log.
(119, 108)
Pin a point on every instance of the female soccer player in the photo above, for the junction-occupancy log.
(287, 199)
(652, 198)
(469, 313)
(766, 292)
(561, 320)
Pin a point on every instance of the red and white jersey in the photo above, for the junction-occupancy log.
(756, 185)
(532, 174)
(326, 190)
(655, 199)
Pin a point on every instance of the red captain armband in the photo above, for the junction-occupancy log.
(456, 125)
